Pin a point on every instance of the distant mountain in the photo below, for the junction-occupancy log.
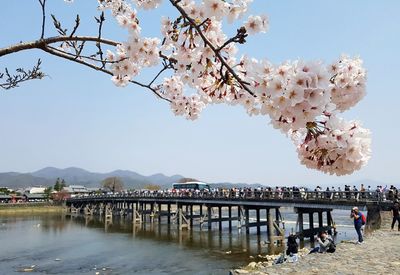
(73, 175)
(16, 180)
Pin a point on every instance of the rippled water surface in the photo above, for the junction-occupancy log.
(53, 244)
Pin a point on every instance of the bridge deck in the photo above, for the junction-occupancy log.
(336, 200)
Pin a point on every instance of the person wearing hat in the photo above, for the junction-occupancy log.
(324, 243)
(357, 216)
(396, 215)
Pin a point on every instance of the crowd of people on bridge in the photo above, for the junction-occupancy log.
(348, 193)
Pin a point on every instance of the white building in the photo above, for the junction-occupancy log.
(35, 190)
(76, 190)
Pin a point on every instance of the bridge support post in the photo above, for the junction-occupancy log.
(300, 224)
(74, 210)
(209, 217)
(152, 212)
(239, 214)
(136, 214)
(258, 221)
(191, 216)
(247, 220)
(230, 218)
(88, 210)
(374, 219)
(182, 221)
(220, 218)
(108, 212)
(159, 212)
(320, 219)
(311, 226)
(270, 226)
(329, 221)
(143, 212)
(169, 213)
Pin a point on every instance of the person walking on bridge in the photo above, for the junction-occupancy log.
(396, 215)
(358, 223)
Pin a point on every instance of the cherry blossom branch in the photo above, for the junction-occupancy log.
(216, 51)
(56, 52)
(166, 66)
(41, 43)
(240, 38)
(83, 56)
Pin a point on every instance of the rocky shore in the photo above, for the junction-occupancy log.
(379, 254)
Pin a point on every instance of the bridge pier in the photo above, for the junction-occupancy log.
(312, 231)
(230, 218)
(169, 213)
(374, 219)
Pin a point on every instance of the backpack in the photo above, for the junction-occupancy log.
(363, 219)
(331, 247)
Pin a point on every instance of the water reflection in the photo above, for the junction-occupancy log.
(223, 242)
(85, 243)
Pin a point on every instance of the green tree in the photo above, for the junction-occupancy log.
(63, 184)
(47, 192)
(4, 191)
(113, 184)
(57, 185)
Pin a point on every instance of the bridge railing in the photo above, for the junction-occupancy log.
(289, 195)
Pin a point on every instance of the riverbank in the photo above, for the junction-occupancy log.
(379, 254)
(30, 208)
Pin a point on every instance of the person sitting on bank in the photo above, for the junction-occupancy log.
(292, 249)
(325, 243)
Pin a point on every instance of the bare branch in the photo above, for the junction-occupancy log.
(21, 75)
(100, 21)
(77, 22)
(57, 25)
(43, 5)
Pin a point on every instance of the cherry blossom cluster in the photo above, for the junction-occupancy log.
(335, 147)
(348, 82)
(301, 98)
(136, 53)
(292, 93)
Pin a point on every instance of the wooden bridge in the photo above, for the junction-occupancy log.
(190, 209)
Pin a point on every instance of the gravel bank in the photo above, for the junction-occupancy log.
(379, 254)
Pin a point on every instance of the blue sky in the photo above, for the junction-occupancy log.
(77, 117)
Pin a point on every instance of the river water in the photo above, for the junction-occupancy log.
(60, 244)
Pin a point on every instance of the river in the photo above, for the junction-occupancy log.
(60, 244)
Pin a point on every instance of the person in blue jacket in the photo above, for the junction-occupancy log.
(358, 223)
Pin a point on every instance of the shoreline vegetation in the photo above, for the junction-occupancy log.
(377, 255)
(30, 208)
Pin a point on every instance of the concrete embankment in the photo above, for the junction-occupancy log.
(29, 208)
(379, 254)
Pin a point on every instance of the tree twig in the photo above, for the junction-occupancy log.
(43, 5)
